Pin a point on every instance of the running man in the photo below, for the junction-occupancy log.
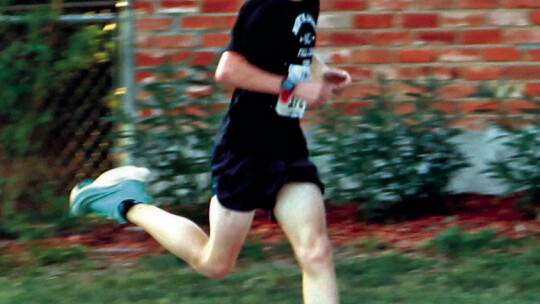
(261, 159)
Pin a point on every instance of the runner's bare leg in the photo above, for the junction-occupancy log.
(214, 255)
(300, 212)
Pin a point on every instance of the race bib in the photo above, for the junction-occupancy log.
(289, 105)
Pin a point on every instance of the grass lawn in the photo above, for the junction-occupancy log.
(454, 268)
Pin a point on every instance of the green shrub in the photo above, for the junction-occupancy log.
(176, 141)
(35, 64)
(397, 164)
(37, 57)
(29, 199)
(520, 134)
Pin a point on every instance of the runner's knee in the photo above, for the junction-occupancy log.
(315, 255)
(213, 269)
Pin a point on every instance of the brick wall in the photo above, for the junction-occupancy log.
(466, 41)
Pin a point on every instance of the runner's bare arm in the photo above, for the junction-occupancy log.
(235, 70)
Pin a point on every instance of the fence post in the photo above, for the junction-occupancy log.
(126, 78)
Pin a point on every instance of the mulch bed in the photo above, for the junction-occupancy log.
(474, 212)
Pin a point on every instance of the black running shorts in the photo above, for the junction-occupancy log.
(246, 182)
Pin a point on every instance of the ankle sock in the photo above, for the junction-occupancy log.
(125, 206)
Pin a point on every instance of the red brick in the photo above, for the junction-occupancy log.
(208, 22)
(144, 6)
(509, 18)
(350, 107)
(482, 72)
(502, 54)
(379, 5)
(416, 72)
(420, 20)
(142, 113)
(474, 106)
(448, 106)
(215, 39)
(437, 36)
(153, 24)
(358, 73)
(521, 36)
(458, 90)
(348, 38)
(373, 21)
(478, 4)
(141, 76)
(391, 38)
(403, 73)
(517, 106)
(178, 4)
(522, 3)
(522, 72)
(323, 38)
(460, 55)
(481, 36)
(334, 20)
(440, 72)
(337, 56)
(534, 55)
(535, 17)
(148, 59)
(470, 123)
(221, 5)
(405, 90)
(397, 73)
(194, 58)
(343, 5)
(204, 58)
(533, 89)
(417, 55)
(404, 107)
(359, 91)
(371, 56)
(463, 19)
(435, 4)
(143, 41)
(172, 41)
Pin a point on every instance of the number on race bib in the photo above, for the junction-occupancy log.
(290, 106)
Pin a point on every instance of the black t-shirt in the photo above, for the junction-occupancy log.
(277, 36)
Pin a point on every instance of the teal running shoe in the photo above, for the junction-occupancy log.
(104, 195)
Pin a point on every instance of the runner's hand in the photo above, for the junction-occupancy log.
(339, 78)
(314, 92)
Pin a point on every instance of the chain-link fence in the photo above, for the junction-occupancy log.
(60, 67)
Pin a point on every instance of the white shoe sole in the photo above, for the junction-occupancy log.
(114, 176)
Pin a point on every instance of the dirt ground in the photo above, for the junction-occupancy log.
(473, 212)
